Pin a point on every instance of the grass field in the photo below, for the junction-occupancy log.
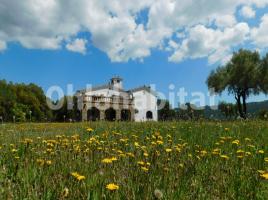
(182, 160)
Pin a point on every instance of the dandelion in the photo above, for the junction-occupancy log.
(158, 194)
(236, 142)
(78, 176)
(145, 169)
(65, 192)
(261, 152)
(89, 130)
(225, 157)
(48, 162)
(107, 161)
(168, 150)
(145, 154)
(112, 187)
(141, 163)
(265, 175)
(159, 142)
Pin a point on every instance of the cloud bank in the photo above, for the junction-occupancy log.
(129, 30)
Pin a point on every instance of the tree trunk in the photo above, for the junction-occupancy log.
(239, 106)
(244, 106)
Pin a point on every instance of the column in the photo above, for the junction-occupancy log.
(118, 115)
(102, 115)
(84, 113)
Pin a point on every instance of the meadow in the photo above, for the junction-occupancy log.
(122, 160)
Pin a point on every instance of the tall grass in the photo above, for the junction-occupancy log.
(175, 160)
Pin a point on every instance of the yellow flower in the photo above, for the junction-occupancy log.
(107, 160)
(78, 176)
(65, 192)
(145, 154)
(239, 151)
(225, 157)
(145, 169)
(141, 163)
(235, 142)
(90, 129)
(261, 152)
(168, 150)
(41, 162)
(112, 187)
(265, 175)
(48, 162)
(159, 142)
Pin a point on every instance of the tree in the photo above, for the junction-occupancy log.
(228, 109)
(240, 76)
(165, 113)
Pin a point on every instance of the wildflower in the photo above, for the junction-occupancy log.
(141, 163)
(107, 160)
(48, 162)
(235, 142)
(168, 150)
(145, 169)
(265, 175)
(225, 157)
(90, 130)
(226, 129)
(159, 142)
(78, 176)
(158, 194)
(136, 144)
(65, 192)
(14, 150)
(112, 187)
(239, 151)
(145, 154)
(261, 152)
(41, 162)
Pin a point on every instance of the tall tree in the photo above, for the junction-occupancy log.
(240, 76)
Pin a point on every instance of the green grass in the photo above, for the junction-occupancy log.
(185, 160)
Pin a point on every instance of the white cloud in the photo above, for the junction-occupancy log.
(207, 42)
(78, 45)
(115, 29)
(247, 12)
(3, 46)
(259, 34)
(225, 21)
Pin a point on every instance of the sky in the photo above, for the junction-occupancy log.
(160, 42)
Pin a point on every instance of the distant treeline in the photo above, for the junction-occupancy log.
(224, 111)
(27, 102)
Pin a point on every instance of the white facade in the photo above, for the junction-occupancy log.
(142, 101)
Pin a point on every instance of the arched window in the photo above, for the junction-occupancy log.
(149, 115)
(93, 114)
(110, 114)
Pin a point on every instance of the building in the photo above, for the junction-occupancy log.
(111, 102)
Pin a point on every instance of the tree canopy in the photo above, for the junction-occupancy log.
(244, 75)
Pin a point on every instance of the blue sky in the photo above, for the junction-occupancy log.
(141, 48)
